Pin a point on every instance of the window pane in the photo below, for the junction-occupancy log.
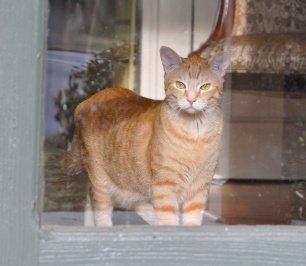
(91, 45)
(261, 173)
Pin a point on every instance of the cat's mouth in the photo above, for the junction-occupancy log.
(191, 110)
(196, 107)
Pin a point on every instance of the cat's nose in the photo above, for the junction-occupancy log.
(191, 99)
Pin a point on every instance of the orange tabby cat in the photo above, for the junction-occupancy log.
(154, 157)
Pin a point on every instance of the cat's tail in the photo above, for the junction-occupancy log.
(72, 158)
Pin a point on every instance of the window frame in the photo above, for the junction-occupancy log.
(25, 242)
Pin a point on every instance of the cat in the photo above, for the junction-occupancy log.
(154, 157)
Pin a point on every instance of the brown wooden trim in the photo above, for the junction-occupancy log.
(224, 24)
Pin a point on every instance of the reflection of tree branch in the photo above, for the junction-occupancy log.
(96, 75)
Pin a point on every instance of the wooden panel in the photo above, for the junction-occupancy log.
(21, 53)
(255, 150)
(258, 82)
(253, 105)
(257, 202)
(257, 97)
(274, 105)
(295, 107)
(144, 245)
(294, 150)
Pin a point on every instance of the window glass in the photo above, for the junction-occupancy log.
(93, 45)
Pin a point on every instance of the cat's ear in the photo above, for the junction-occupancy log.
(220, 62)
(169, 58)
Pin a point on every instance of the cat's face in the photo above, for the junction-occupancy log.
(191, 84)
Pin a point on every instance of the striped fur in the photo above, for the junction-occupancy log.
(154, 157)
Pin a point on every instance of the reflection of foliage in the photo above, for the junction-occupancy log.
(96, 75)
(62, 192)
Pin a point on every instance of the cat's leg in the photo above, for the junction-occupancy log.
(146, 211)
(165, 202)
(103, 207)
(193, 208)
(89, 218)
(101, 199)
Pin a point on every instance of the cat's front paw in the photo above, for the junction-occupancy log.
(168, 220)
(103, 219)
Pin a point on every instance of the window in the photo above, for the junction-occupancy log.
(91, 45)
(97, 44)
(24, 242)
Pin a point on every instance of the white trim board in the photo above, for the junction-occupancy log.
(165, 23)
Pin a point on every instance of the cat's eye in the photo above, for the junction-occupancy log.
(206, 87)
(180, 85)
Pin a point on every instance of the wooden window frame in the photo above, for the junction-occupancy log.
(25, 242)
